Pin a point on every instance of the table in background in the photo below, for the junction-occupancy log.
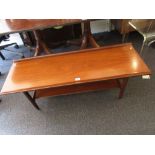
(9, 26)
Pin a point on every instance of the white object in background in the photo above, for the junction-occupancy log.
(15, 37)
(99, 26)
(146, 77)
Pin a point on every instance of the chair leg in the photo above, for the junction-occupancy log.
(2, 56)
(151, 42)
(0, 98)
(142, 47)
(123, 37)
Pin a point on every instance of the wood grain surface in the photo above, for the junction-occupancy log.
(8, 26)
(74, 67)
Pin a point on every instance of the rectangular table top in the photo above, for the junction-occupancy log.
(8, 26)
(69, 68)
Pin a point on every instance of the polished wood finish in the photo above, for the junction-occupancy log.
(75, 72)
(70, 68)
(77, 88)
(87, 39)
(8, 26)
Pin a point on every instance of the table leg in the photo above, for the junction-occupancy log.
(84, 42)
(87, 36)
(40, 44)
(122, 83)
(91, 39)
(32, 100)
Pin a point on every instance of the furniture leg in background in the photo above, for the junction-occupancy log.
(87, 37)
(40, 44)
(33, 40)
(122, 26)
(125, 37)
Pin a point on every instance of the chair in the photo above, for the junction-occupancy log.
(3, 47)
(0, 75)
(146, 27)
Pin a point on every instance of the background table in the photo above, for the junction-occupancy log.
(9, 26)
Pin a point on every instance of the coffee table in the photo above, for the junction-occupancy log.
(75, 72)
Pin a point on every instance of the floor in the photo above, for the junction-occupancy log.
(86, 113)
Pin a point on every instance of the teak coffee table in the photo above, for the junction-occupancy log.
(75, 72)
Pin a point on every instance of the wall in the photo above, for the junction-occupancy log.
(99, 26)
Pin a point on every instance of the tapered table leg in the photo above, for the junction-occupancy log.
(122, 85)
(32, 100)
